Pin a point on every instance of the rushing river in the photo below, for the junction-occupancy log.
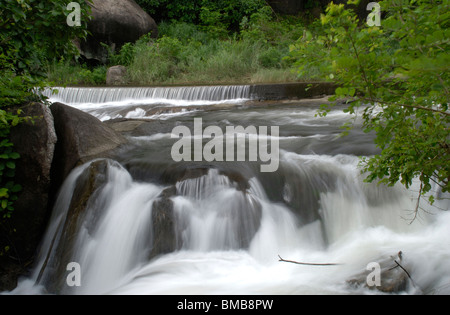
(229, 221)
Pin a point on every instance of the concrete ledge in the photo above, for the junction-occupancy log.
(283, 91)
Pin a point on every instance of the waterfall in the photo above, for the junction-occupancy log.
(144, 224)
(107, 103)
(101, 95)
(215, 220)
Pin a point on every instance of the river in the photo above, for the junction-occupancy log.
(229, 221)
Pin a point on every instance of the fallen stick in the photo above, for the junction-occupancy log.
(306, 264)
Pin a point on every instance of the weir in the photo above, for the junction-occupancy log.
(78, 95)
(75, 95)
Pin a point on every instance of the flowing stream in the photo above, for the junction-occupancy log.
(160, 227)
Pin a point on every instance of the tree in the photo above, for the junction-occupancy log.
(398, 75)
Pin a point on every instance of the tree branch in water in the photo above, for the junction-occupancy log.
(305, 264)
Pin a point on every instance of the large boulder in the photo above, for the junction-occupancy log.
(35, 142)
(115, 23)
(81, 138)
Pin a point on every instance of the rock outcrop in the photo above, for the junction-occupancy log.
(57, 140)
(35, 142)
(89, 182)
(114, 23)
(81, 138)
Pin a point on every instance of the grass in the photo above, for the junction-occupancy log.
(185, 54)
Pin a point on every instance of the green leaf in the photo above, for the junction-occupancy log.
(3, 192)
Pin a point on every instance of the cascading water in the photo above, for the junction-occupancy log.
(144, 224)
(146, 102)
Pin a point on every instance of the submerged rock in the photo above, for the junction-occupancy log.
(164, 224)
(88, 185)
(172, 227)
(393, 276)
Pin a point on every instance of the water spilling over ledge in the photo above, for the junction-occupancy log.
(99, 95)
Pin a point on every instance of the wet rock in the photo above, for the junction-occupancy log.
(164, 225)
(394, 277)
(246, 219)
(35, 142)
(181, 172)
(88, 185)
(81, 138)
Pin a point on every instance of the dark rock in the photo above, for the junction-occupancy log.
(89, 183)
(114, 23)
(81, 138)
(164, 225)
(246, 218)
(181, 172)
(393, 275)
(35, 142)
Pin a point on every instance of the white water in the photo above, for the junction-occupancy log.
(132, 95)
(113, 252)
(146, 102)
(359, 223)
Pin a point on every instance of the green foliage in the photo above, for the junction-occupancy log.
(124, 57)
(187, 54)
(398, 75)
(216, 16)
(160, 10)
(32, 33)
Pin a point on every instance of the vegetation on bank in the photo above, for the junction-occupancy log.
(32, 33)
(398, 72)
(188, 53)
(398, 75)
